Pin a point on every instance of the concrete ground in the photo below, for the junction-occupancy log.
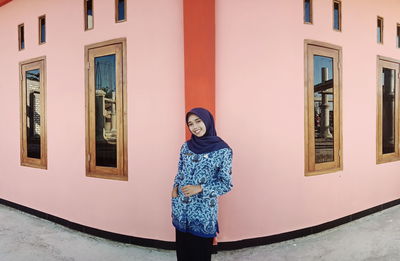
(27, 238)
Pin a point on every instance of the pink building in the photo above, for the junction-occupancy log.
(94, 95)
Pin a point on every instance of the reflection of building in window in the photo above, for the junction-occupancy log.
(33, 113)
(388, 111)
(106, 117)
(323, 118)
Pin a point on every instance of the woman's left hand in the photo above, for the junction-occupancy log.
(191, 190)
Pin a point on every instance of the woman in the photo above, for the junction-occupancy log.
(204, 173)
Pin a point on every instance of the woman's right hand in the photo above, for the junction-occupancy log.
(174, 193)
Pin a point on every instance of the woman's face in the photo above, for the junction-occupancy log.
(196, 125)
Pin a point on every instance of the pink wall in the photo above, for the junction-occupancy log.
(260, 107)
(155, 114)
(260, 112)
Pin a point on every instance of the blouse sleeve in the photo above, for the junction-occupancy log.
(222, 182)
(179, 172)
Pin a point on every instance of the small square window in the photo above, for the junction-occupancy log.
(21, 37)
(308, 11)
(379, 30)
(120, 11)
(337, 15)
(88, 5)
(42, 29)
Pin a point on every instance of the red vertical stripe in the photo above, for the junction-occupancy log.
(199, 43)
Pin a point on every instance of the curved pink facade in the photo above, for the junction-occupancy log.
(259, 106)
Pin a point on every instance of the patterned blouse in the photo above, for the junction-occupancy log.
(198, 214)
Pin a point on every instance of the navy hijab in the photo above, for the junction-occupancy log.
(209, 142)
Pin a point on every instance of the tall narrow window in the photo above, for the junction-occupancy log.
(379, 30)
(323, 118)
(106, 144)
(337, 15)
(88, 14)
(120, 10)
(308, 11)
(398, 36)
(21, 37)
(388, 110)
(33, 113)
(42, 29)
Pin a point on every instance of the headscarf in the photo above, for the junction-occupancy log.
(209, 142)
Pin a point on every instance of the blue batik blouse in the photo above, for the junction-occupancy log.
(198, 214)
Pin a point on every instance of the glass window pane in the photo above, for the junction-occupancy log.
(121, 10)
(336, 16)
(89, 14)
(388, 110)
(33, 113)
(106, 114)
(42, 30)
(398, 36)
(22, 37)
(323, 109)
(379, 30)
(307, 11)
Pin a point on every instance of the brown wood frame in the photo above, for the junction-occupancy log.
(19, 37)
(116, 12)
(324, 49)
(395, 65)
(381, 29)
(311, 13)
(118, 47)
(85, 16)
(339, 17)
(36, 63)
(40, 29)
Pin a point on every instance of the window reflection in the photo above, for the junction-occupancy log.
(307, 11)
(33, 113)
(89, 14)
(121, 10)
(42, 30)
(106, 114)
(323, 109)
(336, 16)
(379, 30)
(388, 110)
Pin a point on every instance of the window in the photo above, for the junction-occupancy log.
(106, 134)
(323, 134)
(33, 113)
(42, 29)
(88, 4)
(120, 10)
(337, 15)
(379, 30)
(388, 110)
(308, 11)
(21, 37)
(398, 36)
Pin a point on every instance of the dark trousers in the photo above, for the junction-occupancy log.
(192, 248)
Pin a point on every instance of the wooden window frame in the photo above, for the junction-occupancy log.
(85, 16)
(20, 37)
(116, 12)
(311, 13)
(339, 16)
(392, 64)
(36, 63)
(40, 29)
(101, 49)
(381, 29)
(324, 49)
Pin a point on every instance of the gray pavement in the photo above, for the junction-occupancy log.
(25, 237)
